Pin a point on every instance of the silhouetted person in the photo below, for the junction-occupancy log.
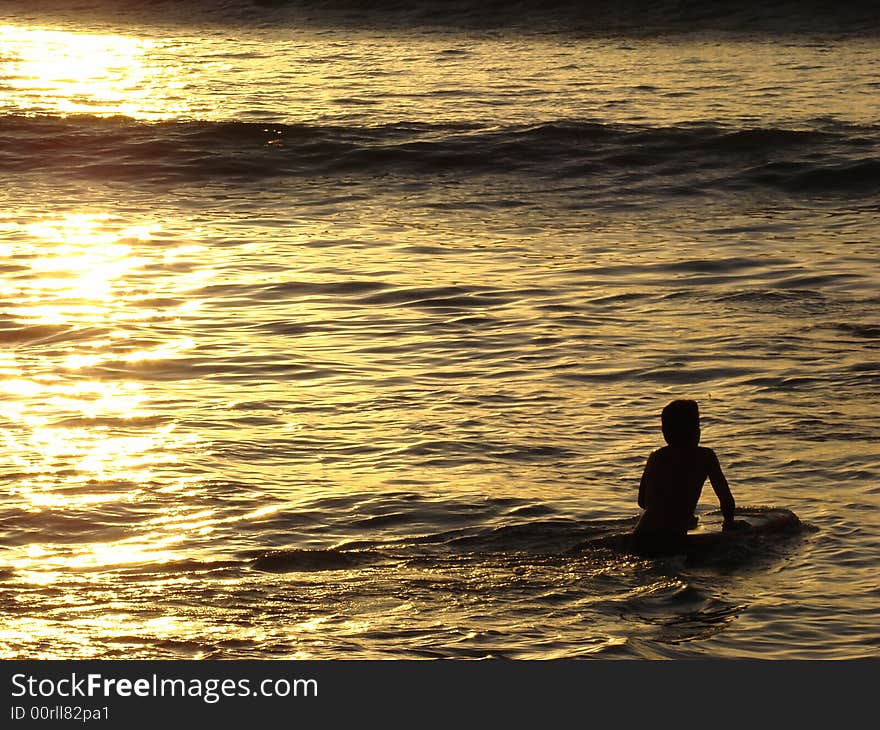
(673, 480)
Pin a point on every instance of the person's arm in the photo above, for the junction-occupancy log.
(643, 485)
(722, 490)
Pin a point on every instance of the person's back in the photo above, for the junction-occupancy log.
(673, 481)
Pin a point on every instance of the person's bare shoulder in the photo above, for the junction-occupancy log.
(654, 458)
(708, 456)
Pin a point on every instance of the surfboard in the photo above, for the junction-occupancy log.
(752, 522)
(708, 537)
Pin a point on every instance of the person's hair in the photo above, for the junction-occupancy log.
(681, 421)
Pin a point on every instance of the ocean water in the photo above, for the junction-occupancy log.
(337, 331)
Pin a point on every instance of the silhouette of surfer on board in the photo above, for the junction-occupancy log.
(673, 481)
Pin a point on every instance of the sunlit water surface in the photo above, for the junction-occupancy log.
(421, 376)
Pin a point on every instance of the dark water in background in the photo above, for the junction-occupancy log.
(333, 329)
(631, 17)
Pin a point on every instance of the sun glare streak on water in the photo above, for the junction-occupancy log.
(81, 430)
(52, 70)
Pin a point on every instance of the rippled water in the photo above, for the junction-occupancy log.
(319, 342)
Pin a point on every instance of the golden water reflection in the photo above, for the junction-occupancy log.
(82, 439)
(60, 637)
(56, 71)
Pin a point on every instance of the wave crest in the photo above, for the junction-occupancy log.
(687, 158)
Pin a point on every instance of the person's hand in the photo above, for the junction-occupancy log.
(732, 524)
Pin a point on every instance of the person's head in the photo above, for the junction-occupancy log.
(681, 423)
